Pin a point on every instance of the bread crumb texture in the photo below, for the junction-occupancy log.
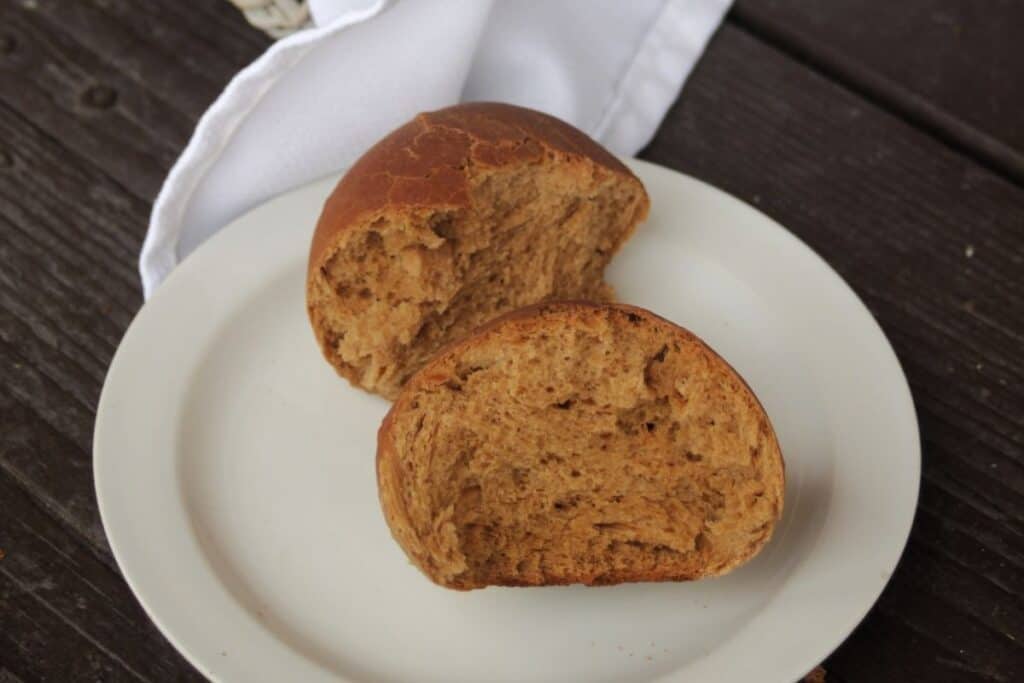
(459, 216)
(578, 443)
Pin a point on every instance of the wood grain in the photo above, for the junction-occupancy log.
(8, 676)
(84, 114)
(117, 86)
(953, 67)
(823, 117)
(53, 586)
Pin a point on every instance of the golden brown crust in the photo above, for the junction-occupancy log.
(426, 163)
(450, 165)
(389, 470)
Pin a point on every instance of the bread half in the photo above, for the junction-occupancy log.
(456, 217)
(578, 443)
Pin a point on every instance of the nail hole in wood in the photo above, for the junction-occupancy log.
(99, 97)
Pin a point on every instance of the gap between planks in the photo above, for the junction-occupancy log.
(885, 94)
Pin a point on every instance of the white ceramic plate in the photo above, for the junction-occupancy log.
(235, 474)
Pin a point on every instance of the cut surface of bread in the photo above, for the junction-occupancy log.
(459, 216)
(578, 443)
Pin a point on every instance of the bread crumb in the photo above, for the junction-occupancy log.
(969, 251)
(816, 676)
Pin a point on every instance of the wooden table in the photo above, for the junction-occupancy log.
(889, 136)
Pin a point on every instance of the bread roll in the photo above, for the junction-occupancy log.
(578, 443)
(456, 217)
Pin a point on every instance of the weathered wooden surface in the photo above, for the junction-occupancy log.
(910, 189)
(952, 67)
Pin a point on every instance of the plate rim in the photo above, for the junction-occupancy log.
(191, 268)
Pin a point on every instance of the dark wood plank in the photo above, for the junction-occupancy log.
(8, 676)
(68, 289)
(52, 588)
(140, 53)
(95, 79)
(877, 652)
(61, 206)
(84, 117)
(208, 30)
(90, 120)
(934, 243)
(953, 67)
(42, 449)
(43, 647)
(85, 85)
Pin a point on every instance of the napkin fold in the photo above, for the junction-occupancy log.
(316, 100)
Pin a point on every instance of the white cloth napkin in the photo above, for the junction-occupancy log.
(319, 98)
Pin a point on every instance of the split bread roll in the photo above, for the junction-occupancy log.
(578, 443)
(459, 216)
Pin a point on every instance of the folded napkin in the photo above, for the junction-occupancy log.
(316, 100)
